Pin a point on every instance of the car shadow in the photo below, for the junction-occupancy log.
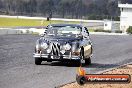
(98, 65)
(57, 63)
(72, 64)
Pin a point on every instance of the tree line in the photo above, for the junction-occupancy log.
(86, 9)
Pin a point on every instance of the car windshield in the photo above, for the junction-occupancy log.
(63, 31)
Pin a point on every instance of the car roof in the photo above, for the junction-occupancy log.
(63, 25)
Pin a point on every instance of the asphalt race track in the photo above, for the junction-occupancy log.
(17, 68)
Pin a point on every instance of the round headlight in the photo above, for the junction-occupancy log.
(67, 46)
(44, 45)
(37, 46)
(48, 50)
(62, 51)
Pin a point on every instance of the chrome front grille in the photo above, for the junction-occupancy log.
(56, 49)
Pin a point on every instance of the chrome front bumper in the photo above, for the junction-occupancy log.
(54, 57)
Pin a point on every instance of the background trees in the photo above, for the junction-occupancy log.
(86, 9)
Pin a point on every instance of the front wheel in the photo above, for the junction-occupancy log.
(38, 61)
(78, 63)
(88, 61)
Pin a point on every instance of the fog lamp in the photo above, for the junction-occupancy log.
(76, 53)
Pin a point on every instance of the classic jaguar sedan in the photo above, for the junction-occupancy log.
(64, 42)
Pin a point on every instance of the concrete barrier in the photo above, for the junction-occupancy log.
(21, 31)
(9, 31)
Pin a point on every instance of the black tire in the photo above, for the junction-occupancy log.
(38, 61)
(78, 63)
(82, 53)
(81, 80)
(88, 61)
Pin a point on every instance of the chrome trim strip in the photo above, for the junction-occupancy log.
(52, 56)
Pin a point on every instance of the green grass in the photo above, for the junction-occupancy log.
(91, 30)
(13, 22)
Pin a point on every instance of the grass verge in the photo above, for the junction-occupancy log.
(15, 22)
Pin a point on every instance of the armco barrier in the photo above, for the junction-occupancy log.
(9, 31)
(21, 31)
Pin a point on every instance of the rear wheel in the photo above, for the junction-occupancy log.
(38, 61)
(88, 61)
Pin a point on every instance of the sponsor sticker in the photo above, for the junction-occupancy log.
(83, 78)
